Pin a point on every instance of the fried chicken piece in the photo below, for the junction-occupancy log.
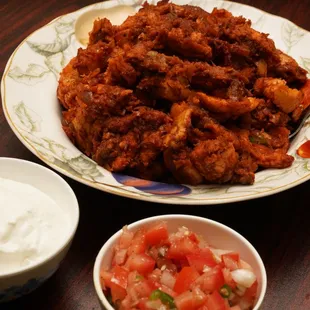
(89, 61)
(84, 123)
(84, 131)
(244, 171)
(187, 42)
(179, 163)
(266, 115)
(192, 124)
(182, 115)
(213, 157)
(93, 57)
(215, 160)
(68, 81)
(197, 74)
(171, 92)
(231, 107)
(285, 98)
(265, 156)
(132, 141)
(161, 88)
(106, 99)
(238, 29)
(285, 67)
(120, 72)
(102, 31)
(269, 158)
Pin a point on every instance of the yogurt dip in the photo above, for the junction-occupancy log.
(32, 226)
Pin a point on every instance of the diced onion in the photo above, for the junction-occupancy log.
(245, 304)
(153, 304)
(218, 253)
(206, 268)
(198, 294)
(243, 277)
(167, 279)
(120, 256)
(240, 290)
(162, 251)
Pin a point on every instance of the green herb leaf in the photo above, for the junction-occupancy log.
(139, 278)
(165, 298)
(225, 291)
(258, 140)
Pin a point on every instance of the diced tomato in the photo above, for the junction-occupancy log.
(133, 277)
(168, 290)
(228, 278)
(231, 260)
(105, 278)
(247, 300)
(211, 280)
(250, 293)
(157, 233)
(204, 257)
(184, 279)
(120, 276)
(142, 304)
(126, 302)
(140, 289)
(119, 257)
(190, 300)
(117, 292)
(182, 247)
(192, 236)
(125, 238)
(142, 263)
(155, 275)
(235, 308)
(216, 302)
(138, 244)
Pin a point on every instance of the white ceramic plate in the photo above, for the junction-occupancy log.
(34, 114)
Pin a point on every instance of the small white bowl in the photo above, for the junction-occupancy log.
(218, 235)
(27, 279)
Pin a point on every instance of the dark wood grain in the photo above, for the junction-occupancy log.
(278, 226)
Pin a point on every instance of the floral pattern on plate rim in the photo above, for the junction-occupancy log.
(30, 124)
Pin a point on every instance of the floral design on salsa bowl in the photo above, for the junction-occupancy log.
(214, 234)
(31, 76)
(24, 278)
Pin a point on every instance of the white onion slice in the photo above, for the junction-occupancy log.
(153, 304)
(243, 277)
(120, 256)
(167, 279)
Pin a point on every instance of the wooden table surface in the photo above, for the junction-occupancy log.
(278, 226)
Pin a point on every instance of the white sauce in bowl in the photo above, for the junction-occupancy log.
(32, 226)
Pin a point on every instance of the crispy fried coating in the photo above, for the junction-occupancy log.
(285, 98)
(175, 92)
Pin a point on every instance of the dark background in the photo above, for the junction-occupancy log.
(278, 226)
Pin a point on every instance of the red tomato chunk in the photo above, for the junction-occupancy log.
(152, 269)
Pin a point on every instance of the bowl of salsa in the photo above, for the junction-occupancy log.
(179, 262)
